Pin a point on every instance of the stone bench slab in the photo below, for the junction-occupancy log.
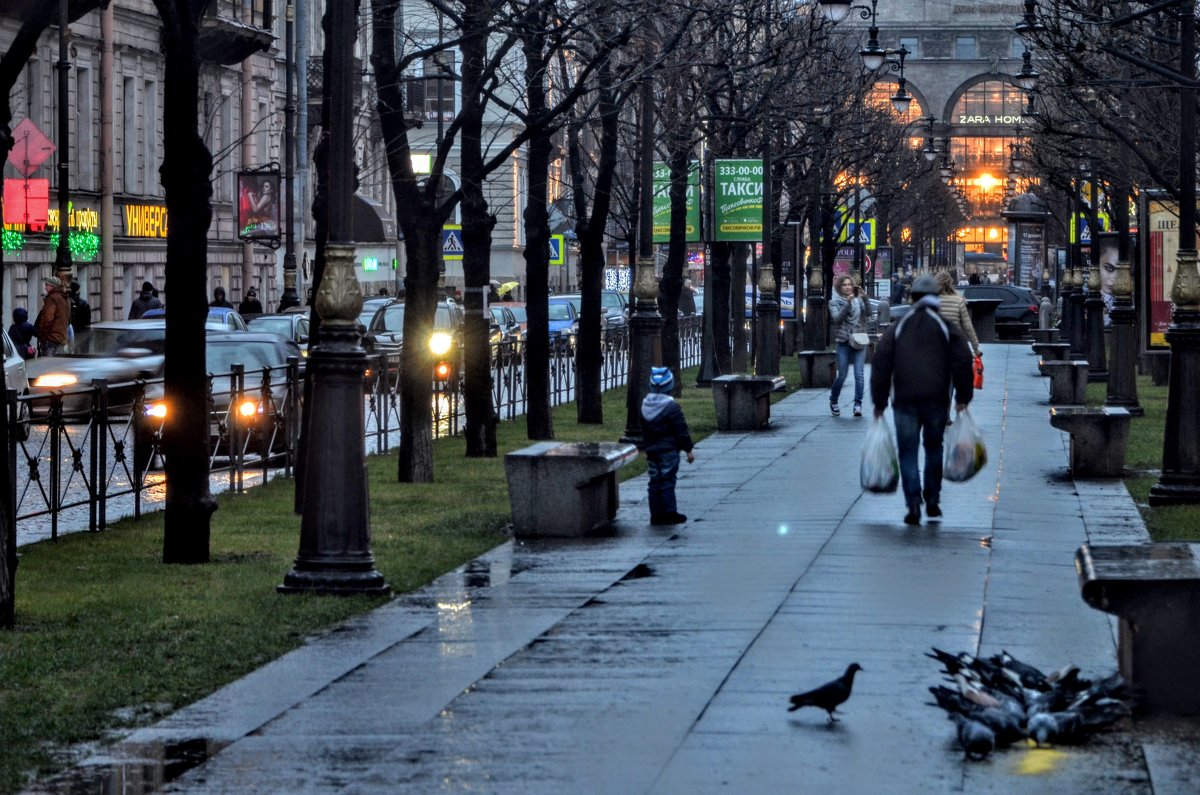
(818, 369)
(564, 489)
(743, 402)
(1068, 381)
(1044, 335)
(1154, 589)
(1099, 439)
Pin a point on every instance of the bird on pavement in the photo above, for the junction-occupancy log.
(828, 696)
(976, 739)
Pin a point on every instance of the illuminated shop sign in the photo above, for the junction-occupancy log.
(144, 220)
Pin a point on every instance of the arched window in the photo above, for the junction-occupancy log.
(880, 96)
(989, 102)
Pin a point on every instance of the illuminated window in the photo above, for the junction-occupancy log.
(990, 102)
(880, 96)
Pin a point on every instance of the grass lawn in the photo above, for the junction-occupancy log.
(109, 639)
(1143, 462)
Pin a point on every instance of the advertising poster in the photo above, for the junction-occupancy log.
(739, 201)
(258, 206)
(1162, 242)
(662, 204)
(1031, 255)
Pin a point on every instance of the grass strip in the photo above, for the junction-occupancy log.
(109, 639)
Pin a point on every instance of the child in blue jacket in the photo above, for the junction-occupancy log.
(664, 435)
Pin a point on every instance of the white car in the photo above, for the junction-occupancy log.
(15, 376)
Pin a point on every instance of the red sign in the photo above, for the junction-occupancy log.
(27, 202)
(30, 149)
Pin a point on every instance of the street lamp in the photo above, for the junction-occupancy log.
(62, 257)
(1027, 78)
(930, 151)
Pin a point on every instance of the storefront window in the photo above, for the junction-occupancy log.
(990, 102)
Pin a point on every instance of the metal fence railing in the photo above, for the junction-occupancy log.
(88, 454)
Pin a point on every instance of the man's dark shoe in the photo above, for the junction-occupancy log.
(662, 518)
(913, 516)
(933, 511)
(676, 518)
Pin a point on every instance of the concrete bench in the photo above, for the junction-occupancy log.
(1044, 334)
(743, 402)
(1154, 589)
(1051, 352)
(1068, 381)
(564, 489)
(818, 369)
(1009, 330)
(1099, 438)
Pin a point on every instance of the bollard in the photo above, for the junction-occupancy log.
(1045, 314)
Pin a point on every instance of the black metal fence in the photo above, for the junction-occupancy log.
(86, 454)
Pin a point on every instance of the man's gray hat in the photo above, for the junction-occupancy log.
(924, 285)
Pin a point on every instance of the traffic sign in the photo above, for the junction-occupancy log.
(862, 232)
(452, 243)
(1084, 228)
(30, 148)
(558, 250)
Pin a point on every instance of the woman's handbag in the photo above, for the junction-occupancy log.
(859, 340)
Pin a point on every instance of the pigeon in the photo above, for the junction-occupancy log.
(1005, 721)
(828, 696)
(976, 739)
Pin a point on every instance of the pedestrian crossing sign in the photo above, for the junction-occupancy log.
(452, 243)
(862, 233)
(557, 250)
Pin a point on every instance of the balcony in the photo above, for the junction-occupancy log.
(229, 33)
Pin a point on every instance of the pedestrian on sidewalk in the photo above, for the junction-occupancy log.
(54, 319)
(915, 361)
(953, 309)
(664, 435)
(146, 300)
(848, 314)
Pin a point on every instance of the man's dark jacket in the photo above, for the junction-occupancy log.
(919, 356)
(663, 427)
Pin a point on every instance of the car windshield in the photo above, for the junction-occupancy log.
(560, 311)
(519, 313)
(611, 301)
(393, 318)
(108, 341)
(272, 325)
(220, 357)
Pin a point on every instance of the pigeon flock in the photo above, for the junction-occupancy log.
(999, 700)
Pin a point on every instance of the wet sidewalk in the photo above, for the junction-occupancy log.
(659, 660)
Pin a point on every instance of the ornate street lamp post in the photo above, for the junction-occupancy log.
(335, 541)
(62, 255)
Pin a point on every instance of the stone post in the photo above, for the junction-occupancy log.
(768, 325)
(1094, 306)
(1122, 371)
(1180, 481)
(645, 346)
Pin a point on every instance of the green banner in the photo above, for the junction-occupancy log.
(739, 203)
(662, 204)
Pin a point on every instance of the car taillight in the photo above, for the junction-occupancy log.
(441, 371)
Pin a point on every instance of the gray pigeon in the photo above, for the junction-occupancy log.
(828, 696)
(976, 739)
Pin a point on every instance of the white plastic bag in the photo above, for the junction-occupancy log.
(880, 469)
(965, 451)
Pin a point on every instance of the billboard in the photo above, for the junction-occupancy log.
(662, 204)
(739, 201)
(258, 207)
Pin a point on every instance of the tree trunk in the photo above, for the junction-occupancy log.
(186, 174)
(719, 272)
(539, 423)
(737, 307)
(477, 226)
(679, 162)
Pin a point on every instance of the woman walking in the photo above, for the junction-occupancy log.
(848, 315)
(953, 309)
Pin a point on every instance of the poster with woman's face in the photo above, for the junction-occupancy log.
(258, 206)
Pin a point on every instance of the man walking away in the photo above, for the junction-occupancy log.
(917, 359)
(81, 311)
(144, 302)
(52, 321)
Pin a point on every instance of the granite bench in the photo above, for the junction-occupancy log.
(1044, 334)
(818, 369)
(564, 489)
(1099, 438)
(1154, 590)
(1051, 352)
(1068, 381)
(1011, 330)
(743, 402)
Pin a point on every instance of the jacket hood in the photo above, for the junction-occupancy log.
(654, 405)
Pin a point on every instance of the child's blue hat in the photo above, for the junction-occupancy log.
(661, 379)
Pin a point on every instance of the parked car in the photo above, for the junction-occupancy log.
(563, 321)
(117, 350)
(255, 415)
(222, 318)
(612, 311)
(787, 303)
(292, 325)
(1017, 304)
(15, 375)
(518, 311)
(385, 332)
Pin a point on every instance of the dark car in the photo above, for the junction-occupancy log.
(1017, 304)
(385, 331)
(612, 307)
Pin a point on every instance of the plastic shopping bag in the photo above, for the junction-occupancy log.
(965, 451)
(979, 372)
(880, 469)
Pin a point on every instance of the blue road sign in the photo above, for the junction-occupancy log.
(452, 244)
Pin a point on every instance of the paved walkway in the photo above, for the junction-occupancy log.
(660, 660)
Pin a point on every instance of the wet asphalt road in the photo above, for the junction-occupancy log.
(659, 660)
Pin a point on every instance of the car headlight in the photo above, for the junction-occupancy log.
(55, 380)
(158, 409)
(248, 408)
(439, 343)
